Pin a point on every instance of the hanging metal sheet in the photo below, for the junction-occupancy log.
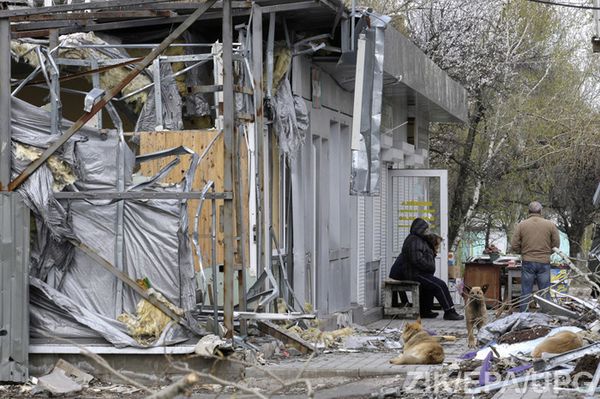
(368, 94)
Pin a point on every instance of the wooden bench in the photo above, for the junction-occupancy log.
(396, 288)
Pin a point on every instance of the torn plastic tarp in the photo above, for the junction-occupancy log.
(196, 104)
(514, 322)
(291, 133)
(156, 241)
(366, 144)
(170, 101)
(30, 126)
(72, 320)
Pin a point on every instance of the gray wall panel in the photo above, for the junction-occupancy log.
(14, 292)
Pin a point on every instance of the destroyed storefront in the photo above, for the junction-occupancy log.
(178, 193)
(341, 239)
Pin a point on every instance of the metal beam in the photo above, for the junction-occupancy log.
(264, 134)
(273, 316)
(138, 195)
(76, 7)
(89, 26)
(5, 98)
(298, 5)
(190, 5)
(257, 76)
(228, 150)
(94, 15)
(290, 6)
(549, 364)
(112, 93)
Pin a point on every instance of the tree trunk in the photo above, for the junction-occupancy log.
(575, 235)
(488, 228)
(458, 207)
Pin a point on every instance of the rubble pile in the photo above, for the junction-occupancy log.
(519, 353)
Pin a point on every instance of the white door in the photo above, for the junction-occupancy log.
(418, 193)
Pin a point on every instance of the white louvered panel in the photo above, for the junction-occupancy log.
(361, 251)
(376, 228)
(384, 265)
(395, 212)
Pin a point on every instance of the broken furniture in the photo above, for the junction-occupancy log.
(394, 288)
(480, 274)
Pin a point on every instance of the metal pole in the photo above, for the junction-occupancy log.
(257, 71)
(266, 203)
(5, 133)
(228, 132)
(596, 14)
(270, 54)
(240, 233)
(215, 274)
(352, 33)
(202, 8)
(56, 111)
(96, 84)
(158, 124)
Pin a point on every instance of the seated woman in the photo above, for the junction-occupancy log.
(416, 262)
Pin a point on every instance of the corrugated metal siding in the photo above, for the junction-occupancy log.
(361, 259)
(14, 293)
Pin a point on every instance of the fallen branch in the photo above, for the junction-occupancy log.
(220, 381)
(176, 388)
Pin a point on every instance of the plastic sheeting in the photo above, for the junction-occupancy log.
(514, 322)
(72, 296)
(291, 119)
(70, 319)
(196, 104)
(366, 144)
(170, 101)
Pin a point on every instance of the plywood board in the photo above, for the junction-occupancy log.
(210, 168)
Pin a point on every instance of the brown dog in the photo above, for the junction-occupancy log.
(475, 312)
(419, 346)
(561, 342)
(434, 241)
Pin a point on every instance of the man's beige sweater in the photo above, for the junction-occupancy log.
(534, 239)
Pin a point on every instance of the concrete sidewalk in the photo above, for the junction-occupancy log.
(367, 363)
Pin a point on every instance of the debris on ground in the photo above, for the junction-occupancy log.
(513, 337)
(322, 339)
(212, 345)
(586, 367)
(64, 379)
(514, 322)
(288, 337)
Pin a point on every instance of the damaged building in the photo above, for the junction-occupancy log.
(170, 169)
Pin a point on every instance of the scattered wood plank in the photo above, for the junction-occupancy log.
(281, 334)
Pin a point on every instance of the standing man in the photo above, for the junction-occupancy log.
(534, 239)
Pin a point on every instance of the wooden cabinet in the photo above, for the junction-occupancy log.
(480, 274)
